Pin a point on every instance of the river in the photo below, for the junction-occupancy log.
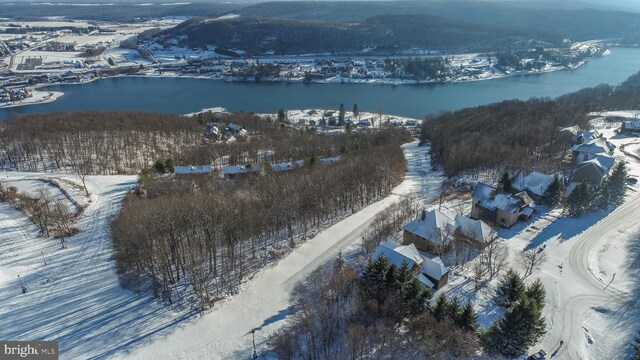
(185, 95)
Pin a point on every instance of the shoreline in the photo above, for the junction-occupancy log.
(334, 80)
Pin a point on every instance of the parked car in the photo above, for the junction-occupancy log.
(540, 355)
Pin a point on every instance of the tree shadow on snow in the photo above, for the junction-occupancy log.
(565, 228)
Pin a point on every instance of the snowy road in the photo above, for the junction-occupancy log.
(263, 303)
(589, 290)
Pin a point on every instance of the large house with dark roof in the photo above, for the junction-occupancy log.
(431, 231)
(499, 208)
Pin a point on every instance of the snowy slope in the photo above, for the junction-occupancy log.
(75, 298)
(263, 303)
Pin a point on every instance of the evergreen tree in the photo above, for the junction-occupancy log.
(375, 277)
(510, 289)
(454, 310)
(615, 185)
(282, 115)
(169, 165)
(356, 111)
(505, 182)
(554, 193)
(536, 293)
(440, 310)
(579, 201)
(416, 297)
(468, 318)
(520, 327)
(159, 166)
(341, 115)
(404, 275)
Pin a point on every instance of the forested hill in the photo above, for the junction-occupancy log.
(522, 134)
(571, 19)
(385, 33)
(454, 26)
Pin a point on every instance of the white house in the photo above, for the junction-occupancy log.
(195, 169)
(430, 271)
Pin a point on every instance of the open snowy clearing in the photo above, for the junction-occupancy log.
(75, 298)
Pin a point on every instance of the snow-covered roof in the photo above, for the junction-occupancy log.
(425, 281)
(537, 183)
(329, 160)
(430, 225)
(491, 199)
(277, 167)
(597, 146)
(241, 169)
(433, 267)
(475, 229)
(527, 212)
(571, 129)
(397, 254)
(631, 125)
(196, 169)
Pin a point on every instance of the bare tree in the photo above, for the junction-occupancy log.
(531, 260)
(496, 258)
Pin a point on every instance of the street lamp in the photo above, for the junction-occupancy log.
(253, 335)
(24, 289)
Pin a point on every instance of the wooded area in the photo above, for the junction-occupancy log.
(197, 238)
(519, 134)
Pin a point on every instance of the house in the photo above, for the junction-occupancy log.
(535, 183)
(499, 208)
(212, 131)
(287, 166)
(429, 270)
(474, 232)
(630, 127)
(587, 150)
(190, 170)
(234, 171)
(329, 160)
(592, 171)
(431, 231)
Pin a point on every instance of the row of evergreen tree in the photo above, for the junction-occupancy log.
(610, 193)
(522, 324)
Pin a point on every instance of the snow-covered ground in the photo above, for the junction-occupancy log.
(263, 303)
(590, 274)
(38, 97)
(75, 298)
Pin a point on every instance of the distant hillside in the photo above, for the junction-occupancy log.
(571, 19)
(385, 33)
(120, 12)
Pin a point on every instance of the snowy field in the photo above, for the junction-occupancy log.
(75, 298)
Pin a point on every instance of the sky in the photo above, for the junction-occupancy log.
(625, 5)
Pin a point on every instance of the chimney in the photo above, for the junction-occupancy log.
(424, 215)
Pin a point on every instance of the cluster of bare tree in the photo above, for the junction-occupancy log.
(383, 315)
(54, 217)
(519, 134)
(386, 224)
(203, 238)
(93, 142)
(127, 142)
